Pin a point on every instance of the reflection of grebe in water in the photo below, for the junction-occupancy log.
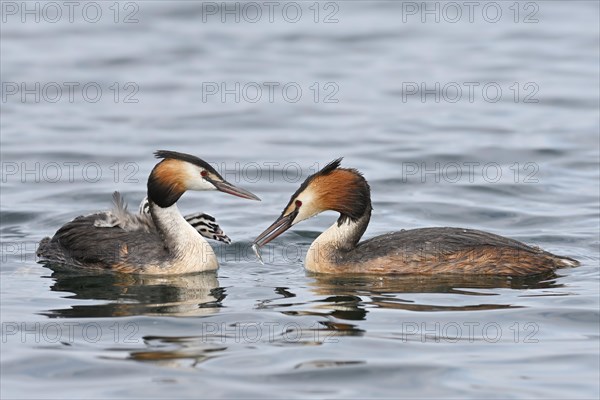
(119, 295)
(165, 243)
(406, 292)
(415, 251)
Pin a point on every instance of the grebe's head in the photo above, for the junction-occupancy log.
(333, 188)
(178, 172)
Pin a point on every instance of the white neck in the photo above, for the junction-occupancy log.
(190, 251)
(336, 240)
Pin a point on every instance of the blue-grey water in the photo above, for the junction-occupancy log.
(483, 116)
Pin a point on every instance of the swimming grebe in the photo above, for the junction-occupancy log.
(415, 251)
(166, 243)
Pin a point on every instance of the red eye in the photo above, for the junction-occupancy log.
(298, 203)
(203, 173)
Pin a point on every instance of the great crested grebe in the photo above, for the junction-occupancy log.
(416, 251)
(165, 243)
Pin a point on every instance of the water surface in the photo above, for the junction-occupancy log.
(524, 165)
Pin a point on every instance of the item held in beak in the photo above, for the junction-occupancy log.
(257, 252)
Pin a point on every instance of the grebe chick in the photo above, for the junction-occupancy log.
(165, 243)
(416, 251)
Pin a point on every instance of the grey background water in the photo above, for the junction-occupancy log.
(516, 156)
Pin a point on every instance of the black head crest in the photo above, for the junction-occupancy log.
(335, 164)
(167, 154)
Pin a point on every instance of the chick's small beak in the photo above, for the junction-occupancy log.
(227, 187)
(281, 225)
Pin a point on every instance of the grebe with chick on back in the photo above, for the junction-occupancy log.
(158, 239)
(415, 251)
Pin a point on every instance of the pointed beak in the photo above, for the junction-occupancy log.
(227, 187)
(282, 224)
